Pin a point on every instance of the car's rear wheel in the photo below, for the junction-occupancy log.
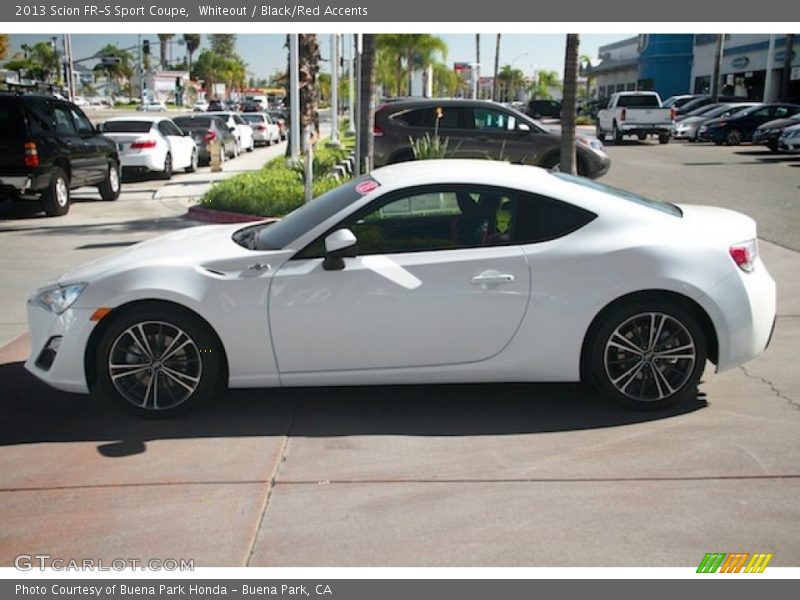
(641, 136)
(663, 138)
(192, 163)
(167, 172)
(158, 362)
(110, 187)
(734, 138)
(616, 134)
(647, 354)
(56, 198)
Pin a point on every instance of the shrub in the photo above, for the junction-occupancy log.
(427, 147)
(584, 120)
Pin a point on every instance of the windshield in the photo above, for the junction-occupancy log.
(308, 216)
(706, 110)
(638, 100)
(665, 207)
(721, 110)
(127, 126)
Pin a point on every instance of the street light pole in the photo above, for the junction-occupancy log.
(334, 89)
(359, 149)
(351, 92)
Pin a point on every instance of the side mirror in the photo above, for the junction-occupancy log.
(339, 245)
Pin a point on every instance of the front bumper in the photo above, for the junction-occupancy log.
(764, 138)
(791, 144)
(67, 370)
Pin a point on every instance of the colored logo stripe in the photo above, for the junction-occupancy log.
(711, 562)
(758, 563)
(734, 562)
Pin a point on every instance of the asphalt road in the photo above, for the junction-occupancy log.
(501, 475)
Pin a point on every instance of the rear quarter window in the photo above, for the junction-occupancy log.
(12, 123)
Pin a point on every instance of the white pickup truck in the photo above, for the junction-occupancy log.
(635, 113)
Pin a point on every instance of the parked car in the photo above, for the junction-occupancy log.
(590, 108)
(477, 129)
(49, 147)
(215, 105)
(265, 132)
(155, 106)
(789, 140)
(768, 133)
(80, 101)
(678, 101)
(740, 127)
(688, 126)
(705, 99)
(204, 130)
(635, 113)
(240, 129)
(200, 106)
(279, 117)
(151, 144)
(477, 262)
(543, 108)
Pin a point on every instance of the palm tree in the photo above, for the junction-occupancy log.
(308, 60)
(446, 82)
(512, 80)
(496, 67)
(568, 105)
(163, 40)
(224, 44)
(392, 49)
(477, 65)
(119, 73)
(413, 50)
(192, 44)
(426, 48)
(545, 81)
(367, 101)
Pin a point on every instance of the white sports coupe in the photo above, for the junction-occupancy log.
(423, 272)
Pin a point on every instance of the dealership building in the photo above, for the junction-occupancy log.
(673, 64)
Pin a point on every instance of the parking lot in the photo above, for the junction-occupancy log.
(484, 475)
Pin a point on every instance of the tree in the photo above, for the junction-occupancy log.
(496, 67)
(119, 73)
(224, 44)
(446, 82)
(392, 49)
(163, 40)
(545, 82)
(367, 101)
(192, 44)
(308, 63)
(5, 44)
(206, 68)
(45, 64)
(788, 54)
(512, 80)
(569, 105)
(411, 50)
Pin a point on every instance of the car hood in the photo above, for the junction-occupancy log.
(779, 124)
(191, 246)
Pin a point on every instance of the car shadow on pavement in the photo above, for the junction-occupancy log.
(33, 413)
(163, 224)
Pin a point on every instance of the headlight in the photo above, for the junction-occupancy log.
(592, 143)
(58, 299)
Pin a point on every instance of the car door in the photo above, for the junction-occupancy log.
(178, 144)
(432, 285)
(97, 146)
(79, 150)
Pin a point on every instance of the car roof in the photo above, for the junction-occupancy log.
(408, 103)
(152, 119)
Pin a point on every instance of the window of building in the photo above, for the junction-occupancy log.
(702, 85)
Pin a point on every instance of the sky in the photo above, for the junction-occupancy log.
(265, 54)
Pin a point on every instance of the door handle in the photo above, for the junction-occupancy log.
(488, 278)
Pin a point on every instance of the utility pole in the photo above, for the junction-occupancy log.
(56, 60)
(334, 89)
(294, 91)
(68, 68)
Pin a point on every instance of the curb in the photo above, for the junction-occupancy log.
(209, 215)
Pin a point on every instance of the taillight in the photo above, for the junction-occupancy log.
(744, 254)
(31, 155)
(377, 131)
(623, 114)
(143, 144)
(261, 127)
(673, 113)
(210, 136)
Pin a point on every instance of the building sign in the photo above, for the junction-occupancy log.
(795, 73)
(740, 62)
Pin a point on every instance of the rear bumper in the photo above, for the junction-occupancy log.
(644, 128)
(149, 161)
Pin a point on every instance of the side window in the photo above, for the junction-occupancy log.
(163, 129)
(173, 129)
(493, 119)
(448, 117)
(539, 219)
(781, 112)
(64, 122)
(40, 116)
(82, 124)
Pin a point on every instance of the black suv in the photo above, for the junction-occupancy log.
(48, 147)
(477, 129)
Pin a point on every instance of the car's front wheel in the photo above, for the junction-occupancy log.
(647, 354)
(158, 361)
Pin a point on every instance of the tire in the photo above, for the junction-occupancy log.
(663, 138)
(598, 133)
(773, 146)
(167, 172)
(144, 382)
(56, 198)
(734, 138)
(616, 134)
(111, 187)
(641, 136)
(192, 163)
(625, 365)
(252, 145)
